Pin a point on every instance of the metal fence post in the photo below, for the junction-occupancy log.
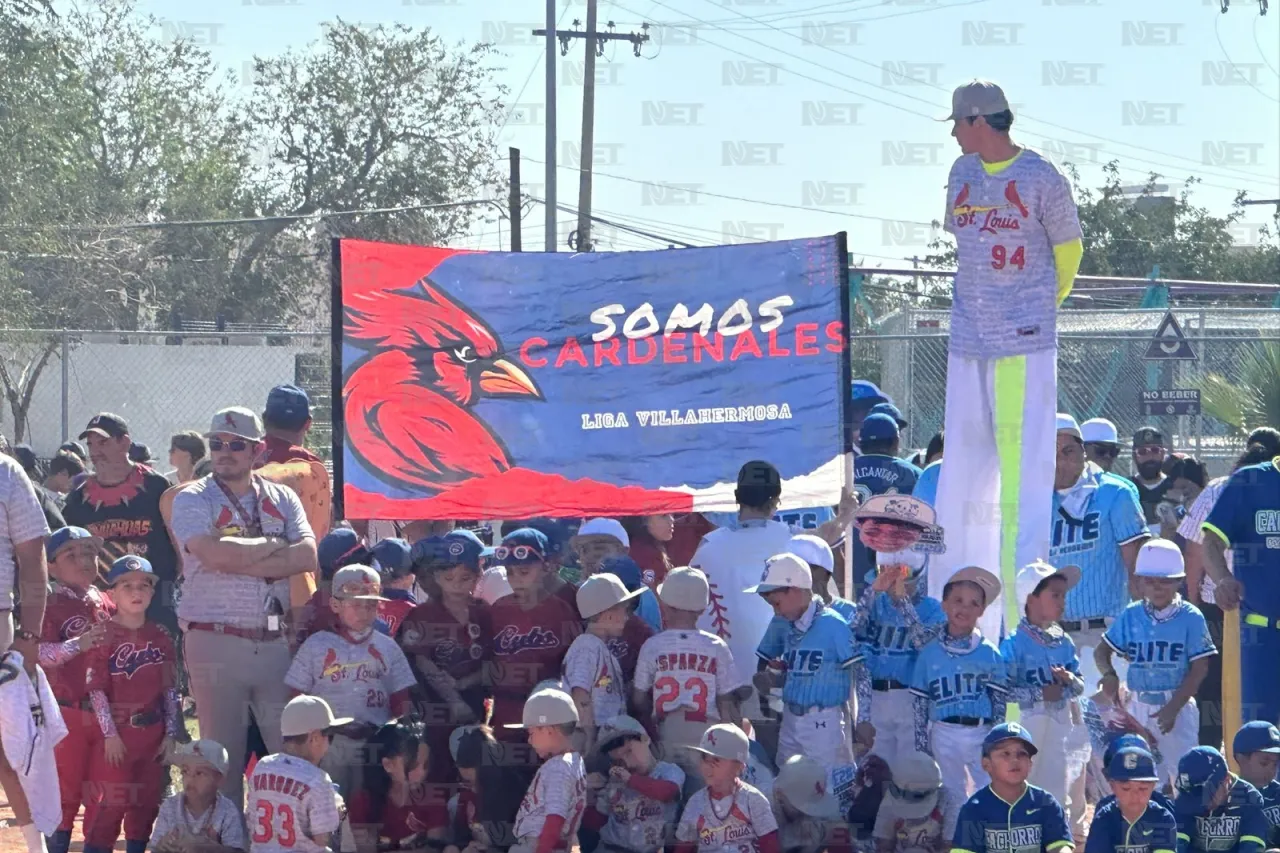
(66, 388)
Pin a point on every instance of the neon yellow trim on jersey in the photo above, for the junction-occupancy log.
(1011, 395)
(1058, 845)
(1255, 619)
(1253, 838)
(1215, 531)
(1066, 262)
(1184, 836)
(1161, 850)
(960, 850)
(997, 168)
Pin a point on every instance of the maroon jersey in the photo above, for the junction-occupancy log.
(68, 613)
(279, 450)
(393, 611)
(426, 808)
(627, 647)
(318, 616)
(134, 669)
(568, 593)
(528, 647)
(458, 648)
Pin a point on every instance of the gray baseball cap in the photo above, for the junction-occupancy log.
(685, 588)
(979, 98)
(547, 708)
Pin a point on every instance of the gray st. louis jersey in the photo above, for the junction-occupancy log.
(1006, 226)
(289, 802)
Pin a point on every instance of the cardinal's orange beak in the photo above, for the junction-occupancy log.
(504, 379)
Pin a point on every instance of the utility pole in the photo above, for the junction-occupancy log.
(513, 200)
(550, 157)
(1275, 201)
(580, 240)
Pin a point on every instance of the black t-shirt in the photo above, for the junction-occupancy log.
(1151, 496)
(127, 517)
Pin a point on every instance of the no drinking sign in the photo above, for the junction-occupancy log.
(1171, 401)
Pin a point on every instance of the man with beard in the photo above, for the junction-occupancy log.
(1149, 452)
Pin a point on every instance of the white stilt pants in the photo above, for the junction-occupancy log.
(823, 734)
(958, 751)
(1177, 743)
(995, 493)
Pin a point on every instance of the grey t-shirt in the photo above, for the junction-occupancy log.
(201, 509)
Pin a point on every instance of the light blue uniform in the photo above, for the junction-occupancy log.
(775, 635)
(819, 660)
(959, 685)
(927, 485)
(884, 645)
(1090, 536)
(1030, 665)
(1159, 651)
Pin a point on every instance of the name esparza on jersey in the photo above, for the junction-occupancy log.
(686, 662)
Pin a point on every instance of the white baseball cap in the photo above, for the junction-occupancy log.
(813, 550)
(357, 583)
(1160, 558)
(1035, 573)
(203, 751)
(305, 714)
(1099, 429)
(615, 733)
(724, 740)
(685, 588)
(989, 583)
(803, 781)
(493, 585)
(237, 421)
(600, 592)
(915, 773)
(1067, 424)
(549, 707)
(783, 571)
(603, 527)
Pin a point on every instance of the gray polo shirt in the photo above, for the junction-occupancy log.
(21, 520)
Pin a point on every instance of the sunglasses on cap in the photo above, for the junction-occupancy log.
(1104, 448)
(235, 445)
(910, 796)
(519, 552)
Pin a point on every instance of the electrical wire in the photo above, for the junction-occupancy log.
(1258, 45)
(1218, 36)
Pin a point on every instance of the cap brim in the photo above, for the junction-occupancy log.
(1177, 577)
(339, 722)
(827, 808)
(94, 431)
(986, 750)
(885, 516)
(232, 433)
(188, 759)
(113, 581)
(1070, 573)
(487, 552)
(914, 810)
(360, 598)
(761, 588)
(1150, 778)
(616, 739)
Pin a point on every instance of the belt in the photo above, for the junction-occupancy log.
(967, 721)
(146, 718)
(801, 710)
(1154, 697)
(82, 705)
(1072, 627)
(258, 635)
(883, 684)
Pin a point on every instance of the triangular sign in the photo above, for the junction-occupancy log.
(1169, 342)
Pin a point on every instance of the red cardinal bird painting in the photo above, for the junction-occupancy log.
(409, 417)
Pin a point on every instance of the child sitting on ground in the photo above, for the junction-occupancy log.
(635, 805)
(1257, 750)
(1215, 809)
(1133, 813)
(198, 819)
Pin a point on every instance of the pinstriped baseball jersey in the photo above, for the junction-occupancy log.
(959, 684)
(590, 666)
(729, 825)
(356, 679)
(1006, 226)
(818, 653)
(289, 802)
(885, 646)
(687, 669)
(636, 822)
(779, 627)
(559, 788)
(1090, 523)
(1030, 661)
(1160, 651)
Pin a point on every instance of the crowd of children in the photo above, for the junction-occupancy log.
(512, 710)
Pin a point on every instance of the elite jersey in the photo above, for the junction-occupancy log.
(733, 824)
(959, 683)
(636, 822)
(1090, 523)
(1271, 810)
(425, 809)
(356, 679)
(1156, 831)
(528, 647)
(1247, 517)
(559, 788)
(804, 520)
(687, 669)
(1006, 226)
(817, 651)
(1237, 825)
(289, 802)
(589, 665)
(134, 669)
(1034, 823)
(1160, 651)
(127, 518)
(222, 823)
(1030, 660)
(885, 645)
(68, 613)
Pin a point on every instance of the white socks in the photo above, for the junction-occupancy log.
(35, 841)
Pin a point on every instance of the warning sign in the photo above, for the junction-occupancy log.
(1169, 343)
(1171, 401)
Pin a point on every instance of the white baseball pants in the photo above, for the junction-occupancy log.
(823, 734)
(1184, 737)
(958, 751)
(1050, 729)
(894, 719)
(995, 493)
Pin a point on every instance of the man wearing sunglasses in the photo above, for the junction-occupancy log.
(242, 537)
(1101, 443)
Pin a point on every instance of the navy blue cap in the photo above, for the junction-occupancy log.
(865, 391)
(128, 564)
(62, 536)
(392, 558)
(528, 538)
(891, 410)
(1258, 736)
(878, 427)
(557, 532)
(340, 547)
(1132, 764)
(1128, 740)
(74, 447)
(457, 547)
(26, 457)
(626, 569)
(1007, 731)
(140, 453)
(288, 405)
(1200, 773)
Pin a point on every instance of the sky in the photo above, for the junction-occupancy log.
(746, 120)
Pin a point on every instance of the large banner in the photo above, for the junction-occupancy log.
(510, 385)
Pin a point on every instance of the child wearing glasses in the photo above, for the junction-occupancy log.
(917, 815)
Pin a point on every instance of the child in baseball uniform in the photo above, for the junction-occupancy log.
(815, 551)
(807, 811)
(1167, 644)
(75, 614)
(591, 672)
(131, 678)
(1044, 672)
(1132, 821)
(894, 619)
(1129, 741)
(685, 678)
(959, 685)
(396, 805)
(917, 815)
(1215, 809)
(1257, 752)
(199, 819)
(634, 807)
(1008, 815)
(552, 808)
(728, 815)
(359, 671)
(814, 646)
(291, 805)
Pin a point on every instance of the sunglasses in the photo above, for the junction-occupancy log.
(519, 552)
(910, 796)
(235, 445)
(1105, 449)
